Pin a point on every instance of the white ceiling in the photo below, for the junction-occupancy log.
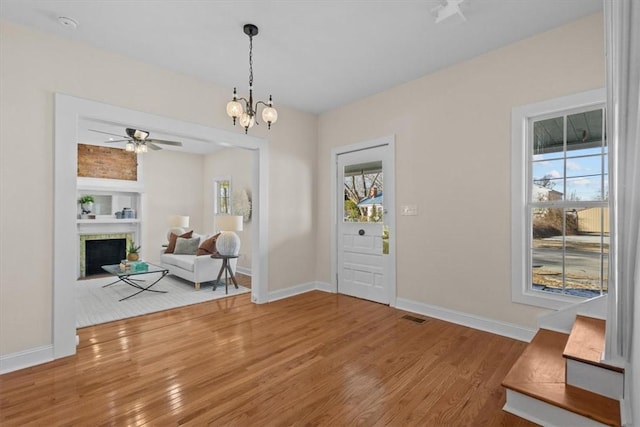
(312, 55)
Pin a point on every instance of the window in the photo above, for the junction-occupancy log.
(222, 196)
(560, 208)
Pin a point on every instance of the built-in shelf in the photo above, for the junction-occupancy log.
(108, 221)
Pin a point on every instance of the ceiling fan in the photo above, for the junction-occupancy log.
(138, 141)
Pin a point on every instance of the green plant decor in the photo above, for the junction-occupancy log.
(85, 199)
(133, 249)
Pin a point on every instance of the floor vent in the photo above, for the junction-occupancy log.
(414, 319)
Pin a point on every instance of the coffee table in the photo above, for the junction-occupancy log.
(126, 277)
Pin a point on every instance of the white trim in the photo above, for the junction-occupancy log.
(26, 358)
(69, 110)
(563, 320)
(544, 413)
(301, 289)
(596, 379)
(389, 202)
(520, 292)
(326, 287)
(510, 330)
(243, 270)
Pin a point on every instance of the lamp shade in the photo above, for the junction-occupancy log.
(177, 225)
(181, 221)
(229, 222)
(228, 243)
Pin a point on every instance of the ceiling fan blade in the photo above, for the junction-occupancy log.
(152, 146)
(163, 141)
(107, 133)
(119, 140)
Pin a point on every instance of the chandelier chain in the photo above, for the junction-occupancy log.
(250, 62)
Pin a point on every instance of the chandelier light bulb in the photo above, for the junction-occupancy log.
(130, 147)
(270, 115)
(247, 120)
(234, 109)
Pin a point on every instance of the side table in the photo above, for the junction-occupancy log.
(228, 273)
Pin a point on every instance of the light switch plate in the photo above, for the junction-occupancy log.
(408, 210)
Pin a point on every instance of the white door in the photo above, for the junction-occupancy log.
(362, 265)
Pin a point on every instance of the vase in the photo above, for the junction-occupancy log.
(87, 207)
(132, 257)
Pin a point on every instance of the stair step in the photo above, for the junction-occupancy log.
(540, 373)
(586, 342)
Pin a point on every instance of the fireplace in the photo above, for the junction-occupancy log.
(97, 250)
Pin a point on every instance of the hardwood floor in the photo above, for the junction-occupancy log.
(313, 359)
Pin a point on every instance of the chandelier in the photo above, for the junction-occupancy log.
(247, 113)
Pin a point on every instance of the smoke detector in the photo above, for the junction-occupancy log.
(447, 10)
(67, 22)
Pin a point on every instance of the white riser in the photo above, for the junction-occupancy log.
(543, 413)
(593, 378)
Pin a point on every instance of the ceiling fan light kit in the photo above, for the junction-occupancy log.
(246, 114)
(138, 141)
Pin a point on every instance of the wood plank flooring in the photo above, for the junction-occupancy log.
(314, 359)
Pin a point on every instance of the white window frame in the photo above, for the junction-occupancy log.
(216, 189)
(521, 292)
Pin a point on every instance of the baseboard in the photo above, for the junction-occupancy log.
(244, 270)
(326, 287)
(476, 322)
(301, 289)
(292, 291)
(25, 359)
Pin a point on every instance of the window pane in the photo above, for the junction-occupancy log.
(548, 136)
(363, 192)
(547, 180)
(570, 250)
(584, 130)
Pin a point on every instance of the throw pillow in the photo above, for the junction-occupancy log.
(187, 246)
(172, 241)
(208, 247)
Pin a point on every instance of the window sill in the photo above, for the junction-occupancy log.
(545, 299)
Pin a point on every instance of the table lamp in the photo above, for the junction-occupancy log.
(228, 243)
(177, 225)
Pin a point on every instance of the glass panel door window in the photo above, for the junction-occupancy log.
(363, 192)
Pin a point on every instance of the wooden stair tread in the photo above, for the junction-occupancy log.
(540, 373)
(586, 342)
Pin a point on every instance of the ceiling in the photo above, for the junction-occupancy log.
(313, 55)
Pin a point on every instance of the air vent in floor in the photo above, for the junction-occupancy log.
(414, 319)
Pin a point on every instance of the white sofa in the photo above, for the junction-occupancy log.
(194, 268)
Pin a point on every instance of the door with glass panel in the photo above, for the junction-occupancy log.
(362, 239)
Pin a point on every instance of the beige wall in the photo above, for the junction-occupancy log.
(238, 165)
(453, 141)
(173, 186)
(35, 65)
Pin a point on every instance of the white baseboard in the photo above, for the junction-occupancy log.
(25, 359)
(326, 287)
(510, 330)
(301, 289)
(244, 270)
